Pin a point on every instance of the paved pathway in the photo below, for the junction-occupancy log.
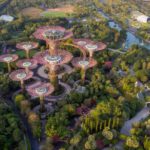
(59, 97)
(42, 73)
(115, 50)
(143, 114)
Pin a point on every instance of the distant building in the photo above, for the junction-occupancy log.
(6, 18)
(140, 17)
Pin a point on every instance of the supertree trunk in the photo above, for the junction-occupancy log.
(9, 67)
(27, 69)
(42, 106)
(27, 54)
(52, 48)
(22, 85)
(83, 71)
(90, 56)
(53, 78)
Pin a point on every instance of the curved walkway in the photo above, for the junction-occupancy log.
(116, 50)
(59, 97)
(143, 114)
(42, 73)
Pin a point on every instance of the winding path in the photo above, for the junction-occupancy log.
(115, 50)
(143, 114)
(59, 97)
(41, 71)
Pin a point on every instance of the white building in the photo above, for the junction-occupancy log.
(140, 17)
(6, 18)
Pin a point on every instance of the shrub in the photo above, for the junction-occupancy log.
(18, 99)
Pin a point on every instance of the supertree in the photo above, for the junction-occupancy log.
(27, 46)
(21, 75)
(41, 90)
(52, 35)
(27, 64)
(90, 46)
(51, 62)
(84, 64)
(8, 58)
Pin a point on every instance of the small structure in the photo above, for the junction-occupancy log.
(140, 17)
(138, 84)
(6, 18)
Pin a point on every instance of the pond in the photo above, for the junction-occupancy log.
(131, 37)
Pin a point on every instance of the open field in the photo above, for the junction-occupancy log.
(32, 12)
(59, 12)
(48, 14)
(65, 9)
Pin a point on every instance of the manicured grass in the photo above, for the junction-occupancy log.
(49, 14)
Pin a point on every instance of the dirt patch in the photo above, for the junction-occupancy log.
(32, 12)
(65, 9)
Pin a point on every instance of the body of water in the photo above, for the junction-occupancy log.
(131, 37)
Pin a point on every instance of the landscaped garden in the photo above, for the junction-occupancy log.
(63, 86)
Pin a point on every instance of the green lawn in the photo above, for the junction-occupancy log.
(54, 14)
(21, 53)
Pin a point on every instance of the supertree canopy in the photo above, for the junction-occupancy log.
(8, 58)
(84, 64)
(27, 64)
(27, 46)
(21, 75)
(51, 62)
(41, 90)
(89, 45)
(52, 35)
